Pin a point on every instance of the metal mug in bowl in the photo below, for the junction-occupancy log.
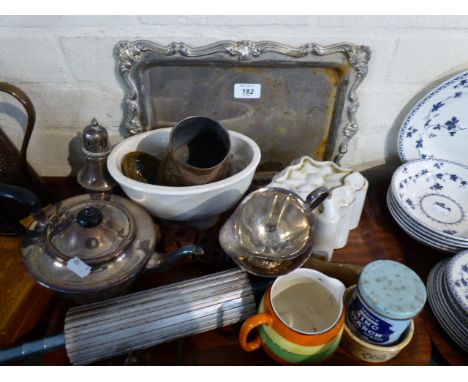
(198, 153)
(271, 231)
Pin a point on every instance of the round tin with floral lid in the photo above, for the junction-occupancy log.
(388, 296)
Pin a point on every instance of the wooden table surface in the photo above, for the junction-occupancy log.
(377, 237)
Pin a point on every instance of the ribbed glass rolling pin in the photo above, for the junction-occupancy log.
(141, 320)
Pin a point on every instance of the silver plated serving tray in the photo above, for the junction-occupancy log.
(295, 101)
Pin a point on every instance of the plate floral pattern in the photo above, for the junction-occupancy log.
(444, 311)
(416, 233)
(457, 244)
(437, 127)
(434, 193)
(457, 277)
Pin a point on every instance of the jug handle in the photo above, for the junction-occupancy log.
(316, 197)
(25, 197)
(251, 323)
(30, 111)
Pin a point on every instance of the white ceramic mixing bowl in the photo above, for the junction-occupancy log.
(192, 204)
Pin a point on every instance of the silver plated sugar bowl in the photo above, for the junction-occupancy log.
(271, 231)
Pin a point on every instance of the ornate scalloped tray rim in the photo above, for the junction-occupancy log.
(357, 56)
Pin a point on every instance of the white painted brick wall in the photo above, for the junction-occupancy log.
(26, 58)
(424, 56)
(66, 65)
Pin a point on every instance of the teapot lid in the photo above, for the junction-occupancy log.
(95, 231)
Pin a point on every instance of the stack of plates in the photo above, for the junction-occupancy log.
(428, 198)
(447, 291)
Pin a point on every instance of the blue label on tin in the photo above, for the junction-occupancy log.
(369, 325)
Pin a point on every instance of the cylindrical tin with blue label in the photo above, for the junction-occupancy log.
(388, 296)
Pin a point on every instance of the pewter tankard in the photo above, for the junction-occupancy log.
(198, 153)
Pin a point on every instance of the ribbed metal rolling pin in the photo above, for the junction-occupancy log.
(140, 320)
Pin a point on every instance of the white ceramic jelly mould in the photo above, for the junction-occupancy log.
(340, 212)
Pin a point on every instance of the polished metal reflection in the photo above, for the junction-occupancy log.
(197, 153)
(141, 166)
(94, 176)
(198, 81)
(275, 225)
(271, 232)
(140, 320)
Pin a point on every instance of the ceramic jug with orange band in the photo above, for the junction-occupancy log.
(300, 319)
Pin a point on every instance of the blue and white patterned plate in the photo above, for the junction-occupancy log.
(457, 278)
(437, 127)
(449, 314)
(423, 240)
(434, 192)
(457, 309)
(457, 244)
(409, 229)
(436, 301)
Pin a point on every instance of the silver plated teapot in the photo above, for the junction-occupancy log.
(90, 247)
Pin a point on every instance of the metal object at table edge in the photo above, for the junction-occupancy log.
(143, 319)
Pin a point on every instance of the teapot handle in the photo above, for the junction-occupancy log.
(30, 111)
(159, 262)
(316, 197)
(27, 198)
(23, 196)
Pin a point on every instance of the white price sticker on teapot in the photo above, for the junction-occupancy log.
(247, 90)
(78, 267)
